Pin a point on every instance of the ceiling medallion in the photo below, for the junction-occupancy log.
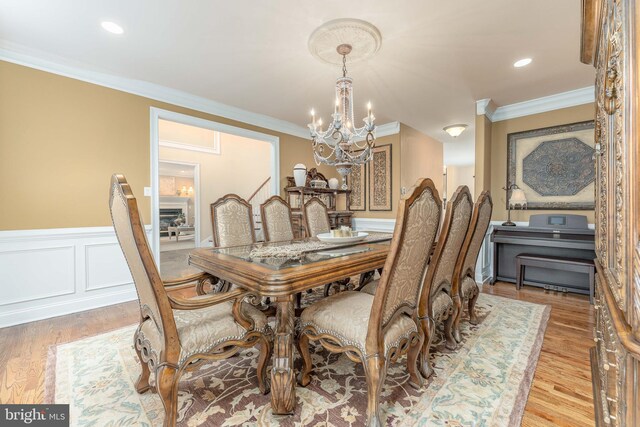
(363, 37)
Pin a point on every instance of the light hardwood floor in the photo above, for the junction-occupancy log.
(561, 392)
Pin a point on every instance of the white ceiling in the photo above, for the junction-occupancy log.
(436, 58)
(176, 169)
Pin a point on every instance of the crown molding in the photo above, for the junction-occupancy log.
(547, 103)
(17, 54)
(387, 129)
(485, 107)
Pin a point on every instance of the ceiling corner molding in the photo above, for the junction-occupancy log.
(547, 103)
(17, 54)
(387, 129)
(486, 107)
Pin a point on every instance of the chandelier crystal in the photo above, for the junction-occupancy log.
(342, 144)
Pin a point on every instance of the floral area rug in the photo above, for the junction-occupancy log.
(484, 382)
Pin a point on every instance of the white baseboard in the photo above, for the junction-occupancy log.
(374, 224)
(52, 272)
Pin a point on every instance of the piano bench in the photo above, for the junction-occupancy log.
(576, 265)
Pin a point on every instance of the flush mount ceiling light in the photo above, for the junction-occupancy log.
(455, 130)
(522, 62)
(112, 27)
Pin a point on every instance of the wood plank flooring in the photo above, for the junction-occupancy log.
(560, 396)
(561, 393)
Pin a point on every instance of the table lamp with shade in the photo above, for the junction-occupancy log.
(517, 198)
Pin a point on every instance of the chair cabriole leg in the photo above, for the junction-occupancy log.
(167, 386)
(375, 371)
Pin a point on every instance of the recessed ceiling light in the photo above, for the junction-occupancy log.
(112, 27)
(455, 130)
(522, 62)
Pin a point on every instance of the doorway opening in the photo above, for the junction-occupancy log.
(194, 162)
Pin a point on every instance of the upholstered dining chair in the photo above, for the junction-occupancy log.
(232, 225)
(464, 283)
(176, 333)
(276, 219)
(377, 329)
(316, 217)
(439, 306)
(232, 222)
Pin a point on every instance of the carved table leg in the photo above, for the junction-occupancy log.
(365, 278)
(283, 392)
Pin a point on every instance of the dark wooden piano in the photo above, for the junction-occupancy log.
(563, 236)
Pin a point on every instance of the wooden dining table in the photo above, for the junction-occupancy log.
(282, 277)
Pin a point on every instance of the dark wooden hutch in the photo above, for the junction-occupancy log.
(297, 196)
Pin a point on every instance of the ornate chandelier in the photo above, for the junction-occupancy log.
(343, 145)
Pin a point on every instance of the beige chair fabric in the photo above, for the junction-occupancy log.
(276, 220)
(175, 332)
(201, 330)
(468, 287)
(316, 217)
(460, 223)
(413, 255)
(346, 316)
(124, 231)
(232, 222)
(439, 279)
(464, 274)
(377, 329)
(484, 218)
(370, 288)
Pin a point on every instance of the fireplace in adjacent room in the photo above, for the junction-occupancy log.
(167, 218)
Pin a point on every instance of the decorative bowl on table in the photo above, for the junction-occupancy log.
(356, 236)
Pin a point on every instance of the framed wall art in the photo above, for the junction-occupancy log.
(380, 179)
(357, 181)
(554, 166)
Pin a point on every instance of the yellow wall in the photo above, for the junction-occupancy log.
(483, 155)
(394, 141)
(498, 165)
(242, 166)
(422, 157)
(61, 139)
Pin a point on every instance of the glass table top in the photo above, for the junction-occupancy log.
(294, 253)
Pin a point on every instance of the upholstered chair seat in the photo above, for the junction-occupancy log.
(328, 317)
(202, 329)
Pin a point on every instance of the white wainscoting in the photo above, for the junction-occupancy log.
(48, 273)
(374, 224)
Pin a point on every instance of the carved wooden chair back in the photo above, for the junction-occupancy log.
(152, 296)
(454, 229)
(403, 274)
(480, 219)
(232, 222)
(316, 217)
(277, 222)
(464, 286)
(437, 303)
